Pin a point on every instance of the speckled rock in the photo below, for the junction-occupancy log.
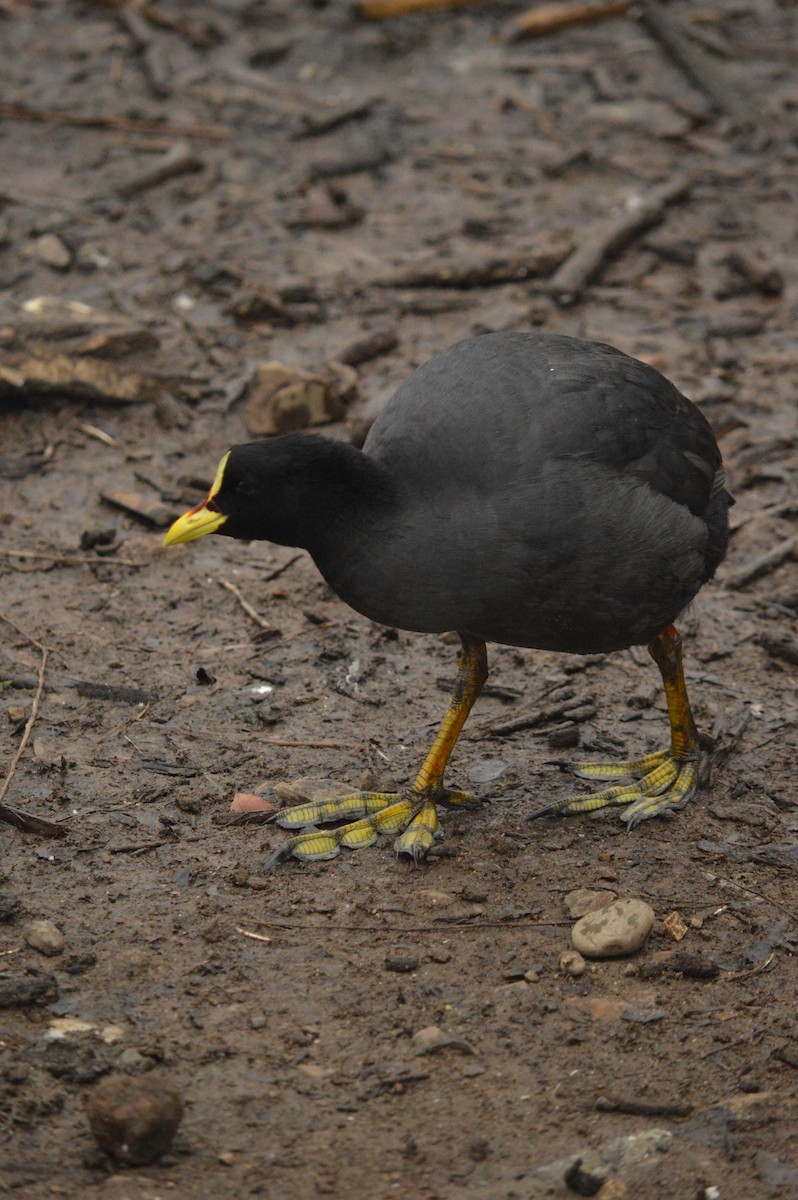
(620, 928)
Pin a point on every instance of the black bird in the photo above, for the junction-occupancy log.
(527, 489)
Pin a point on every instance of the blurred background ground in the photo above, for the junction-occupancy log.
(187, 194)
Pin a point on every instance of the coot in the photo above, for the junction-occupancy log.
(528, 489)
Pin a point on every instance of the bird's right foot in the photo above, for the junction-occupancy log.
(648, 787)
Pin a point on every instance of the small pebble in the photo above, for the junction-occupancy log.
(134, 1119)
(424, 1039)
(51, 250)
(620, 928)
(44, 936)
(571, 963)
(401, 964)
(582, 901)
(246, 802)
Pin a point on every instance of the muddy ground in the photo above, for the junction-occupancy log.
(227, 184)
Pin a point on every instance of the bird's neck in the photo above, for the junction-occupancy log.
(340, 495)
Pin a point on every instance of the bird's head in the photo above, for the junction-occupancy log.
(274, 490)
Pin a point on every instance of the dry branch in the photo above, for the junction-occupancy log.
(606, 238)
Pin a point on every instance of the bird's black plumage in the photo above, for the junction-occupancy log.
(530, 489)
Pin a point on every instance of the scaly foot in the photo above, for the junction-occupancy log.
(657, 784)
(413, 815)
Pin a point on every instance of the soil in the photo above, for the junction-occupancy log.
(333, 178)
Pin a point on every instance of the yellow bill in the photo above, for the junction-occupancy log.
(202, 519)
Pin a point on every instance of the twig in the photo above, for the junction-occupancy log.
(257, 937)
(8, 815)
(480, 269)
(696, 64)
(605, 239)
(278, 571)
(757, 970)
(180, 159)
(741, 887)
(642, 1108)
(577, 709)
(551, 18)
(54, 116)
(382, 10)
(67, 560)
(764, 564)
(447, 925)
(318, 745)
(245, 604)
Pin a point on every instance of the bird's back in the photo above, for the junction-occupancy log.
(555, 493)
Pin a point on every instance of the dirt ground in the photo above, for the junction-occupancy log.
(225, 184)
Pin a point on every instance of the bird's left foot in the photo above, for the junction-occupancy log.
(650, 787)
(412, 815)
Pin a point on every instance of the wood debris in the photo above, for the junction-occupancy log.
(85, 379)
(606, 238)
(383, 10)
(545, 19)
(180, 159)
(483, 267)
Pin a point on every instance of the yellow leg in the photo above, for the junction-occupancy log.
(659, 782)
(471, 675)
(412, 814)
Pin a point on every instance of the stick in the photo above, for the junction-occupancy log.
(21, 820)
(258, 937)
(606, 238)
(319, 745)
(381, 10)
(642, 1108)
(764, 564)
(694, 61)
(478, 269)
(66, 560)
(179, 160)
(247, 607)
(551, 18)
(55, 116)
(447, 925)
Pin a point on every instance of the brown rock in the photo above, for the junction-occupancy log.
(582, 901)
(134, 1119)
(281, 399)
